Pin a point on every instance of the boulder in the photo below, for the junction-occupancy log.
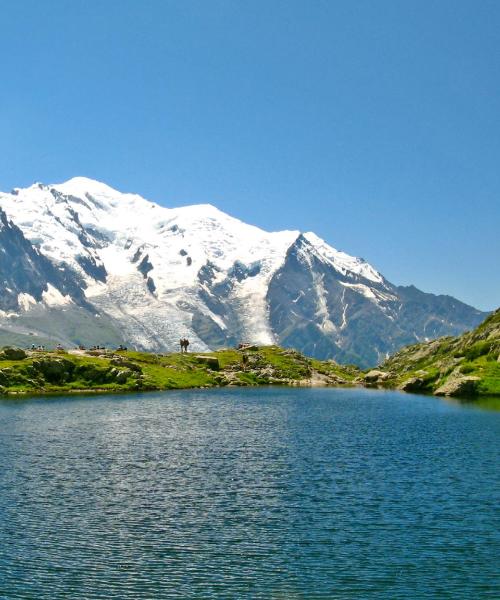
(252, 360)
(376, 376)
(221, 380)
(414, 384)
(336, 380)
(459, 386)
(212, 362)
(13, 354)
(118, 376)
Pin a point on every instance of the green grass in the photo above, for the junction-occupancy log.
(478, 349)
(348, 373)
(489, 372)
(162, 377)
(227, 357)
(248, 378)
(60, 372)
(289, 364)
(473, 354)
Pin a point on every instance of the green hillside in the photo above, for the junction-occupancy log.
(452, 366)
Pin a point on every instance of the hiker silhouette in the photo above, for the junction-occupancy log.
(184, 344)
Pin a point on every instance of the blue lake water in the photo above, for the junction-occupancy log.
(249, 493)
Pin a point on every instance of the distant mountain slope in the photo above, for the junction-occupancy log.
(352, 316)
(153, 274)
(28, 277)
(463, 365)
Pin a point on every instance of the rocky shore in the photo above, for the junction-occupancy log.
(464, 366)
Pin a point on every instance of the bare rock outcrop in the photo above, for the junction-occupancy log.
(459, 386)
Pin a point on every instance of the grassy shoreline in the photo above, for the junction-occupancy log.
(35, 373)
(464, 366)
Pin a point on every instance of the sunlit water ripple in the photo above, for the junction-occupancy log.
(253, 493)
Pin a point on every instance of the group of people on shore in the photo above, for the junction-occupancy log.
(90, 348)
(39, 348)
(183, 342)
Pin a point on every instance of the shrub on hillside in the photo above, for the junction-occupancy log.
(477, 350)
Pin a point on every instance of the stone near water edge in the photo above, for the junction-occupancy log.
(459, 386)
(414, 384)
(376, 376)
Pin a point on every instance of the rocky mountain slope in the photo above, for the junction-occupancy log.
(452, 366)
(82, 263)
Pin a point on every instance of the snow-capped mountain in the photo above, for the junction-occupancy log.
(84, 263)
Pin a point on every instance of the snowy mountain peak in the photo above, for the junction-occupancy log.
(155, 274)
(343, 262)
(81, 186)
(116, 243)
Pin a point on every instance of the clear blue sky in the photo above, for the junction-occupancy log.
(375, 124)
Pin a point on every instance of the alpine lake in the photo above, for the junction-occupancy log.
(263, 492)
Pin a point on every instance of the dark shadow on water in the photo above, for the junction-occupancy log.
(484, 402)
